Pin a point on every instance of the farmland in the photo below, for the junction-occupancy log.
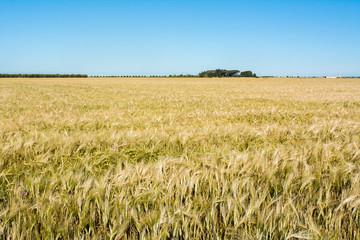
(147, 158)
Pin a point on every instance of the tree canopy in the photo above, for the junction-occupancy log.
(226, 73)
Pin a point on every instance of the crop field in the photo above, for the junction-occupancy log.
(179, 158)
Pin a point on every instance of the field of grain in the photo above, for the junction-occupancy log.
(116, 158)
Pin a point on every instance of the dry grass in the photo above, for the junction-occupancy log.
(180, 158)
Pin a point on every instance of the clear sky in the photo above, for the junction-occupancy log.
(306, 38)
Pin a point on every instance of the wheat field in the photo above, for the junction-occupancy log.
(172, 158)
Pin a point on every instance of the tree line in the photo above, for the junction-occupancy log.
(208, 74)
(226, 73)
(43, 75)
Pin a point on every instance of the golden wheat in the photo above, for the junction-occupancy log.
(178, 158)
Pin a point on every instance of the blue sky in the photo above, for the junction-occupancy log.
(136, 37)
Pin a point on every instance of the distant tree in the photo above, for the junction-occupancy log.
(247, 74)
(219, 73)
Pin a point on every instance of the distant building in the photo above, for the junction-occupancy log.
(330, 77)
